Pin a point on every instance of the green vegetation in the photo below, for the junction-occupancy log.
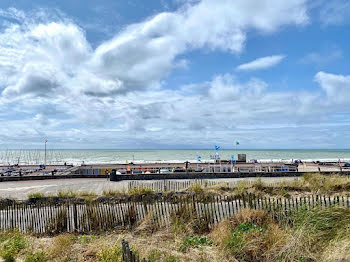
(309, 183)
(140, 191)
(39, 256)
(61, 245)
(110, 254)
(236, 242)
(36, 195)
(196, 188)
(11, 245)
(66, 193)
(317, 234)
(194, 241)
(110, 192)
(156, 256)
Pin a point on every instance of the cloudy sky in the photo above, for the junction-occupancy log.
(175, 73)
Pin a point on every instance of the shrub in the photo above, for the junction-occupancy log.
(317, 234)
(62, 244)
(250, 235)
(258, 184)
(111, 254)
(236, 241)
(12, 246)
(66, 193)
(325, 224)
(39, 256)
(140, 191)
(110, 192)
(196, 188)
(194, 241)
(88, 195)
(156, 256)
(36, 195)
(84, 239)
(242, 187)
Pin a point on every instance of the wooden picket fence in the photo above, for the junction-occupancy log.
(128, 255)
(49, 217)
(175, 186)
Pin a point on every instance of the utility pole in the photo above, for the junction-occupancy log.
(45, 153)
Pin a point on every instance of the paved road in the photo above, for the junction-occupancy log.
(21, 189)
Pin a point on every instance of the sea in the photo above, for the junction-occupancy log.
(95, 156)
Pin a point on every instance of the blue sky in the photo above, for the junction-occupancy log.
(175, 74)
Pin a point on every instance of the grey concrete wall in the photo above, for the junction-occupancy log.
(191, 175)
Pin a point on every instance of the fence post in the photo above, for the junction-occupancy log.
(124, 251)
(75, 217)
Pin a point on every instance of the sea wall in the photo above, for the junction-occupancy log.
(194, 175)
(191, 175)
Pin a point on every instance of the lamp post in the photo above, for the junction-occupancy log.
(45, 153)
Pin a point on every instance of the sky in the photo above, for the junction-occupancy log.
(174, 74)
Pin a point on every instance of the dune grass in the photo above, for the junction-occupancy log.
(36, 195)
(318, 234)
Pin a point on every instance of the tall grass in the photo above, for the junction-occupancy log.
(319, 234)
(66, 193)
(316, 234)
(140, 191)
(36, 195)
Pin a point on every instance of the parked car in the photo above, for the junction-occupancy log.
(164, 171)
(347, 164)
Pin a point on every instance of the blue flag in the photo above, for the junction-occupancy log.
(217, 148)
(199, 158)
(232, 158)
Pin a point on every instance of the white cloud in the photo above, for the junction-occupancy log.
(322, 58)
(337, 87)
(58, 86)
(227, 88)
(335, 12)
(261, 63)
(43, 59)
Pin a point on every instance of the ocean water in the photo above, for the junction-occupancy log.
(121, 156)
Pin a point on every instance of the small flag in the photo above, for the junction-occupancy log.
(237, 143)
(45, 140)
(199, 158)
(217, 147)
(232, 158)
